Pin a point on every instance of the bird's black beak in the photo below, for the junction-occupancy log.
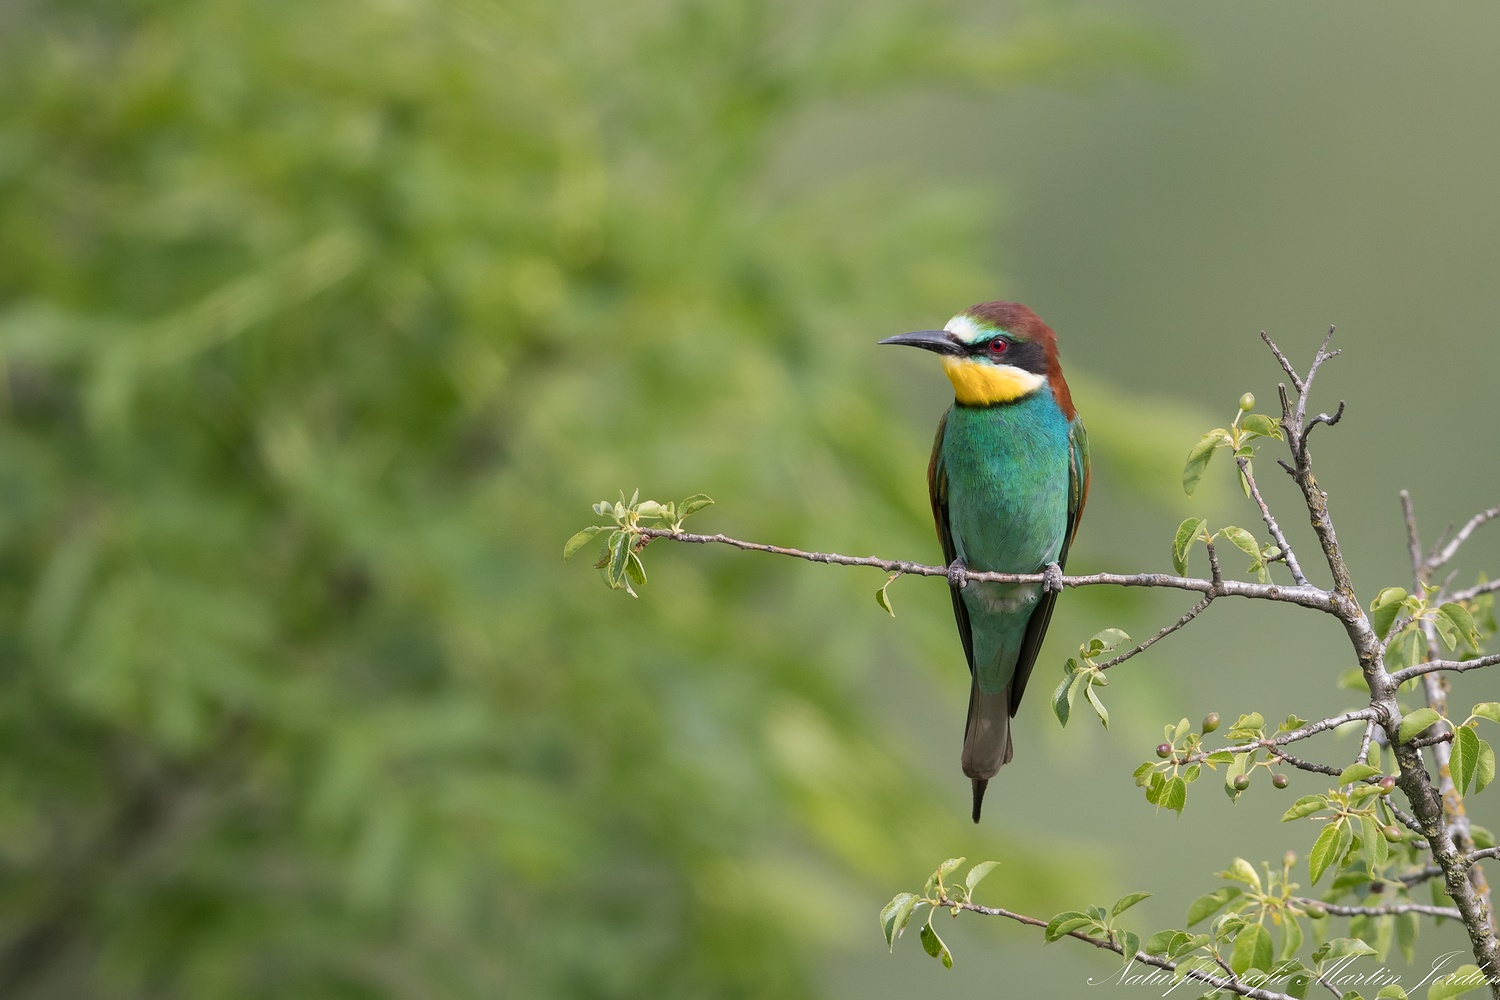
(938, 341)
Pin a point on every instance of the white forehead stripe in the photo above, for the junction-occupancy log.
(964, 329)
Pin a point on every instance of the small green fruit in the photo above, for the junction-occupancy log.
(1289, 858)
(1316, 910)
(1280, 780)
(1164, 750)
(1210, 722)
(1392, 833)
(1387, 784)
(1241, 782)
(1247, 402)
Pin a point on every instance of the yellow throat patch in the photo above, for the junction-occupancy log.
(978, 383)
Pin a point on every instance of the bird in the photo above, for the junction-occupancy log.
(1008, 479)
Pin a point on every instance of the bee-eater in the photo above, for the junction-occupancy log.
(1008, 479)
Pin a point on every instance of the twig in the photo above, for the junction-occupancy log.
(1473, 856)
(1306, 596)
(1364, 743)
(1208, 978)
(1451, 549)
(1420, 875)
(1193, 612)
(1287, 555)
(1455, 666)
(1488, 587)
(1282, 739)
(1390, 909)
(1286, 365)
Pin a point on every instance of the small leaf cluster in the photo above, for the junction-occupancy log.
(1358, 822)
(1166, 780)
(1471, 759)
(619, 560)
(1253, 903)
(1246, 428)
(937, 894)
(1397, 618)
(1194, 529)
(1100, 925)
(1183, 755)
(1083, 674)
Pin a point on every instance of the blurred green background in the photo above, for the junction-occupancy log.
(323, 324)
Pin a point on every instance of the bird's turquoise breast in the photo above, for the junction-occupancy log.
(1007, 469)
(1008, 483)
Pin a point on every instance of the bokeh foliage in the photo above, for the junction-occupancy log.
(321, 326)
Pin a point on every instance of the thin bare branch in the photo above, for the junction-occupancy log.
(1306, 596)
(1287, 555)
(1419, 875)
(1454, 666)
(1473, 856)
(1478, 590)
(1193, 612)
(1451, 549)
(1286, 365)
(1389, 909)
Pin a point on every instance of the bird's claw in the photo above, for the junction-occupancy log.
(1052, 579)
(958, 574)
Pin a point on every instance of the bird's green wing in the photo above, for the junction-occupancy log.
(937, 492)
(1041, 617)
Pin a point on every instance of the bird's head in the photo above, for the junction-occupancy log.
(995, 352)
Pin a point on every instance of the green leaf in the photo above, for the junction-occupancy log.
(1484, 767)
(1241, 870)
(1416, 722)
(1252, 950)
(895, 914)
(1305, 806)
(1408, 927)
(1208, 904)
(934, 946)
(1174, 795)
(1291, 937)
(1458, 617)
(1384, 611)
(619, 555)
(1246, 543)
(883, 599)
(947, 868)
(1160, 943)
(1130, 943)
(1394, 992)
(1102, 713)
(692, 505)
(1323, 851)
(579, 540)
(1488, 710)
(1068, 920)
(1463, 758)
(1187, 531)
(1197, 460)
(1406, 649)
(1342, 948)
(1482, 836)
(1062, 698)
(1457, 983)
(1127, 901)
(1357, 772)
(977, 873)
(1259, 423)
(635, 570)
(1373, 843)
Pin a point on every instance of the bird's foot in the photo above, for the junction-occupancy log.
(1052, 579)
(958, 574)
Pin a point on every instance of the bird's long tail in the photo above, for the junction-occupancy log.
(987, 743)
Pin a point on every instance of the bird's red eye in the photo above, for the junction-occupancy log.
(999, 346)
